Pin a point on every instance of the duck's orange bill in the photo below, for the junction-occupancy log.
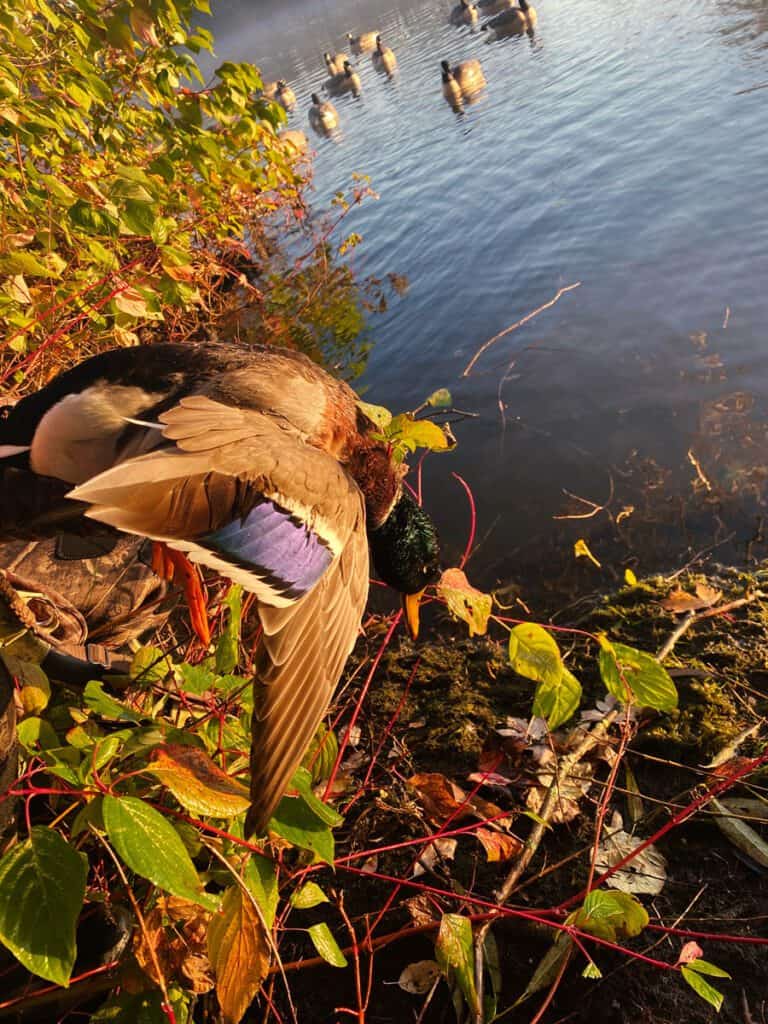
(169, 563)
(411, 604)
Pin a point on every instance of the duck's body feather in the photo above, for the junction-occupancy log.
(488, 7)
(383, 58)
(323, 117)
(335, 62)
(253, 462)
(464, 13)
(347, 81)
(514, 21)
(362, 43)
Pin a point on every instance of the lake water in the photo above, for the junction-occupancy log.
(613, 149)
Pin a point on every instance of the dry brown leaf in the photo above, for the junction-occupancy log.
(646, 873)
(439, 849)
(419, 978)
(443, 799)
(498, 846)
(570, 791)
(176, 931)
(422, 910)
(239, 954)
(680, 601)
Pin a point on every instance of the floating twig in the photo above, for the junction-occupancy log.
(513, 327)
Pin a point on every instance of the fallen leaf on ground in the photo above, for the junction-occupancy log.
(498, 846)
(422, 910)
(680, 601)
(646, 873)
(419, 978)
(570, 791)
(443, 799)
(740, 834)
(439, 849)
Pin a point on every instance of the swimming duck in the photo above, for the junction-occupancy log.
(253, 462)
(322, 116)
(451, 88)
(335, 62)
(364, 42)
(285, 95)
(464, 13)
(347, 81)
(514, 21)
(468, 76)
(488, 7)
(382, 58)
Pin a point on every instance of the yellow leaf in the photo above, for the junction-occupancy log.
(465, 601)
(197, 783)
(18, 289)
(629, 578)
(376, 413)
(239, 954)
(581, 550)
(35, 688)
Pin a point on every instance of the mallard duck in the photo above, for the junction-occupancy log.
(464, 13)
(259, 465)
(335, 62)
(468, 76)
(347, 81)
(382, 58)
(515, 21)
(285, 95)
(322, 116)
(362, 43)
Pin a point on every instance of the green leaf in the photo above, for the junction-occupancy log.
(533, 653)
(227, 649)
(302, 783)
(42, 888)
(308, 896)
(25, 263)
(455, 954)
(152, 847)
(197, 782)
(376, 414)
(635, 677)
(294, 821)
(106, 706)
(558, 702)
(149, 665)
(36, 734)
(137, 218)
(326, 945)
(705, 967)
(701, 987)
(91, 220)
(260, 876)
(440, 399)
(610, 915)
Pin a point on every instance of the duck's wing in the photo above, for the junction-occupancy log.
(243, 493)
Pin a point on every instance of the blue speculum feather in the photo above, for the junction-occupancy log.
(274, 545)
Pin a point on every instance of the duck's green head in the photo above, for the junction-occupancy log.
(406, 553)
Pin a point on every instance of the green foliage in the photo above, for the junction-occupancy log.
(147, 842)
(455, 955)
(634, 677)
(533, 653)
(692, 973)
(610, 915)
(326, 945)
(136, 194)
(42, 887)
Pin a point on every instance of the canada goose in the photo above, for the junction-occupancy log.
(451, 88)
(322, 116)
(515, 21)
(285, 95)
(464, 13)
(269, 90)
(383, 58)
(488, 7)
(468, 76)
(347, 81)
(294, 142)
(335, 62)
(362, 43)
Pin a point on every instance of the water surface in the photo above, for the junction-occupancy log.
(613, 149)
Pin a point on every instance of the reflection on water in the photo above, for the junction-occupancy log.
(610, 149)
